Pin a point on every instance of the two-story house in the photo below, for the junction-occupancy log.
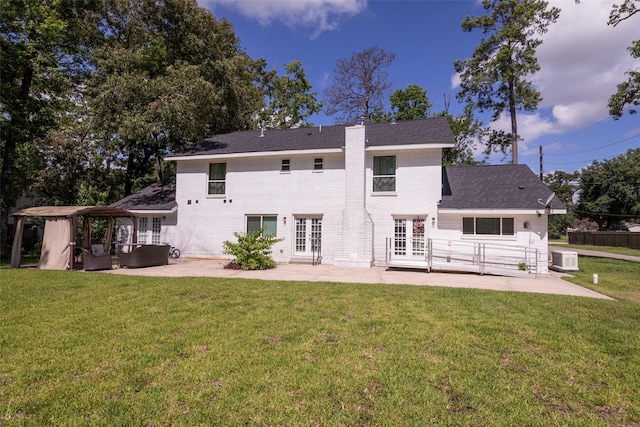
(358, 195)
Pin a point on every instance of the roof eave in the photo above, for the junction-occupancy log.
(315, 151)
(403, 147)
(154, 211)
(501, 211)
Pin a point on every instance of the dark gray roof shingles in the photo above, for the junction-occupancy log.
(424, 131)
(154, 197)
(494, 187)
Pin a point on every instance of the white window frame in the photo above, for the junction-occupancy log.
(285, 166)
(149, 232)
(222, 181)
(318, 164)
(262, 218)
(143, 226)
(394, 176)
(501, 224)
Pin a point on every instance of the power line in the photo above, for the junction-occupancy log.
(607, 214)
(578, 131)
(596, 148)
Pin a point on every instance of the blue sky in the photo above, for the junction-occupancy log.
(582, 59)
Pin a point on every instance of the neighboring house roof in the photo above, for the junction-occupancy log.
(156, 197)
(635, 228)
(425, 131)
(495, 187)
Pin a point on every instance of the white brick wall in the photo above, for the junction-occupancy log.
(418, 190)
(255, 186)
(356, 222)
(355, 227)
(535, 237)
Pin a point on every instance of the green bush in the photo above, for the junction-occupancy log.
(252, 251)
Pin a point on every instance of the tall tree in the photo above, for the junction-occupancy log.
(610, 191)
(628, 94)
(289, 100)
(495, 77)
(44, 56)
(167, 74)
(359, 86)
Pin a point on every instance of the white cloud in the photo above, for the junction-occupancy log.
(320, 15)
(582, 59)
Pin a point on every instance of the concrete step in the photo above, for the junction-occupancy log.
(301, 260)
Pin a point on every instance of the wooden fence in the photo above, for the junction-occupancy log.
(624, 239)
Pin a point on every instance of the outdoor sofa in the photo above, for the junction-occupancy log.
(96, 258)
(145, 256)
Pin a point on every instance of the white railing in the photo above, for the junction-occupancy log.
(480, 257)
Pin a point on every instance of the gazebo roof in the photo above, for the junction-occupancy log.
(74, 211)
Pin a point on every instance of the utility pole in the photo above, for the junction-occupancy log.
(541, 163)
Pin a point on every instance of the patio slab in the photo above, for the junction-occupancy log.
(546, 284)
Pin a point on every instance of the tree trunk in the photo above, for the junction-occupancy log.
(514, 123)
(7, 174)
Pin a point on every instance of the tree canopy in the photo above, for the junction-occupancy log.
(97, 91)
(628, 93)
(565, 186)
(409, 104)
(289, 100)
(43, 47)
(496, 77)
(610, 191)
(359, 86)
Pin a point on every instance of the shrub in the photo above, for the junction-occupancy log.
(252, 251)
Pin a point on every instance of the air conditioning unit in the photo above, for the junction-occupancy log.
(565, 260)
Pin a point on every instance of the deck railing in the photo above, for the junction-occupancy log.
(316, 251)
(472, 256)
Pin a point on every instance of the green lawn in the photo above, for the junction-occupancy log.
(98, 349)
(609, 249)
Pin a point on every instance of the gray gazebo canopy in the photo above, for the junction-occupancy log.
(59, 241)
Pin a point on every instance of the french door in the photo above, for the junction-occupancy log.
(308, 235)
(409, 239)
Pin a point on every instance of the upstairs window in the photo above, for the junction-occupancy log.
(217, 178)
(488, 226)
(317, 164)
(286, 165)
(384, 173)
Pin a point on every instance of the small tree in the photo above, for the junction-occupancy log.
(253, 250)
(360, 85)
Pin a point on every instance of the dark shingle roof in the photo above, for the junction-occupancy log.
(154, 197)
(425, 131)
(494, 187)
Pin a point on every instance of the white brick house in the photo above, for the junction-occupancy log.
(359, 194)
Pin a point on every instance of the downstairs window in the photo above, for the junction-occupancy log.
(488, 226)
(256, 222)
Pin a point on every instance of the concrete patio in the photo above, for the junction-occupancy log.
(546, 284)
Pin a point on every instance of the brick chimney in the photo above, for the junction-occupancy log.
(355, 227)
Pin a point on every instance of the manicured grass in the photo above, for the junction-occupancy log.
(608, 249)
(616, 278)
(97, 349)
